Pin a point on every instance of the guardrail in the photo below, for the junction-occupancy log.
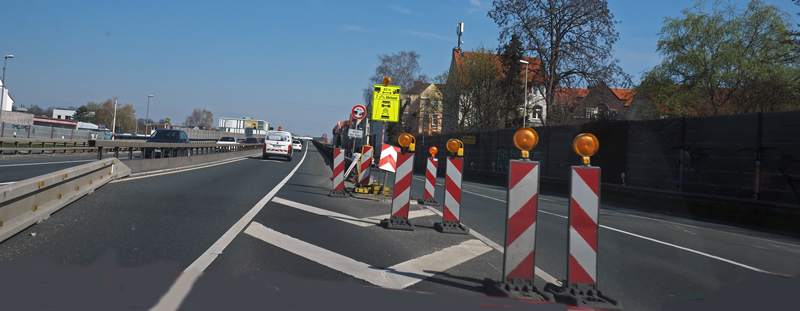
(44, 145)
(179, 150)
(30, 201)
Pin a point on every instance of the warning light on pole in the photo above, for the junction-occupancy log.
(279, 128)
(433, 151)
(387, 80)
(525, 139)
(455, 147)
(585, 145)
(406, 140)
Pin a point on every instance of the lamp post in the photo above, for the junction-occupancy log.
(114, 122)
(525, 106)
(3, 95)
(147, 118)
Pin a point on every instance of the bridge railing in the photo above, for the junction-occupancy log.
(179, 150)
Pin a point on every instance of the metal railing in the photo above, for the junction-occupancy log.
(43, 145)
(162, 150)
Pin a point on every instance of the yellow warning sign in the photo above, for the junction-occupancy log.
(386, 103)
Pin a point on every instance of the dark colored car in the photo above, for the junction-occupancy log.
(250, 140)
(165, 136)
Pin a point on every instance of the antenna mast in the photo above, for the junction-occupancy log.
(459, 31)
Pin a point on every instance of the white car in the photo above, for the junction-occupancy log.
(224, 142)
(278, 143)
(297, 145)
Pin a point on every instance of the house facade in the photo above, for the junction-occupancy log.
(423, 108)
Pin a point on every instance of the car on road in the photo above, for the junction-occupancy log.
(297, 145)
(224, 142)
(250, 140)
(278, 143)
(165, 136)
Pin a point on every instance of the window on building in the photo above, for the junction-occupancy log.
(537, 112)
(590, 113)
(435, 121)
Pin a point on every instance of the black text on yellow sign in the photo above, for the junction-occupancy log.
(386, 103)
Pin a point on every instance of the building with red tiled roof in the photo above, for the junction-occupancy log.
(595, 102)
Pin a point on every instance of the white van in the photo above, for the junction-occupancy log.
(278, 143)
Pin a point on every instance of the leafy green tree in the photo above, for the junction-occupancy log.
(727, 61)
(511, 84)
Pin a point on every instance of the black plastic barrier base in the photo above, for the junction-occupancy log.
(582, 295)
(516, 290)
(339, 193)
(397, 223)
(427, 201)
(449, 226)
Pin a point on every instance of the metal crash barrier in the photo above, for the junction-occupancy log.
(163, 150)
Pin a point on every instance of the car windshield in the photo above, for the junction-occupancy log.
(174, 135)
(230, 139)
(277, 137)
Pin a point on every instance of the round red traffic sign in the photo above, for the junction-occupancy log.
(359, 112)
(324, 135)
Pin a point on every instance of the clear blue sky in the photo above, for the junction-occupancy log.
(298, 64)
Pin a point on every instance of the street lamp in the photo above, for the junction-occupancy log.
(114, 122)
(525, 107)
(3, 95)
(147, 118)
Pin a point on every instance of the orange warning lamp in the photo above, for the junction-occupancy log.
(387, 80)
(279, 128)
(585, 145)
(406, 140)
(433, 151)
(525, 139)
(455, 146)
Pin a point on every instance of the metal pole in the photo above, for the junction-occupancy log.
(525, 109)
(147, 117)
(114, 123)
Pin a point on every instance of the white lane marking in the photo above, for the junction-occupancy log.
(363, 222)
(675, 246)
(177, 170)
(541, 273)
(690, 250)
(44, 163)
(183, 285)
(395, 277)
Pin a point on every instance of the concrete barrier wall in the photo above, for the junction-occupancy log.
(138, 166)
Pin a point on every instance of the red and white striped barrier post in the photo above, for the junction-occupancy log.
(580, 289)
(388, 161)
(398, 218)
(338, 173)
(430, 179)
(364, 166)
(451, 220)
(521, 211)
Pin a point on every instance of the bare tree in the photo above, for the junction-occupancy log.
(573, 39)
(201, 118)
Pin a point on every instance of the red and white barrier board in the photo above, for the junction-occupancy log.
(364, 165)
(402, 193)
(338, 172)
(430, 181)
(451, 222)
(522, 207)
(583, 213)
(388, 160)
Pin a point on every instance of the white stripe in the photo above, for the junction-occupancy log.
(183, 285)
(362, 222)
(431, 169)
(454, 174)
(583, 253)
(523, 191)
(395, 277)
(519, 249)
(584, 196)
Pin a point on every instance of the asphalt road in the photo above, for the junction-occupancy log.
(251, 216)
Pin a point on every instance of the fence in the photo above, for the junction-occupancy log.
(8, 129)
(752, 156)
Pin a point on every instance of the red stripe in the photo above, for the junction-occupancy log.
(590, 176)
(388, 160)
(519, 171)
(448, 215)
(576, 273)
(522, 220)
(402, 212)
(459, 164)
(403, 158)
(583, 224)
(402, 185)
(524, 270)
(453, 189)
